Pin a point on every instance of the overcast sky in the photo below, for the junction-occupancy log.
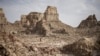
(71, 12)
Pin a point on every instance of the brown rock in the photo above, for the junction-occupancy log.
(23, 19)
(43, 28)
(51, 14)
(91, 21)
(1, 13)
(90, 26)
(98, 23)
(2, 17)
(34, 17)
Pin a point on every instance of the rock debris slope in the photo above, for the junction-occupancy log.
(43, 34)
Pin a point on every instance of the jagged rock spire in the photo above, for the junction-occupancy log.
(91, 21)
(92, 17)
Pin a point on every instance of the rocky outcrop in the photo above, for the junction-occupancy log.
(91, 21)
(43, 23)
(51, 14)
(23, 19)
(34, 17)
(33, 22)
(2, 17)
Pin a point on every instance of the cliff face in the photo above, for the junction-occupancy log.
(51, 14)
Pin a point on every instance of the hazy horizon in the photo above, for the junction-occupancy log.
(71, 12)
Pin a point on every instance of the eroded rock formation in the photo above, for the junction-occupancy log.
(51, 14)
(34, 17)
(91, 21)
(43, 23)
(89, 26)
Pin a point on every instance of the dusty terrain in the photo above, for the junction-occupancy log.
(43, 34)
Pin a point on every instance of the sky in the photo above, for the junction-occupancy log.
(71, 12)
